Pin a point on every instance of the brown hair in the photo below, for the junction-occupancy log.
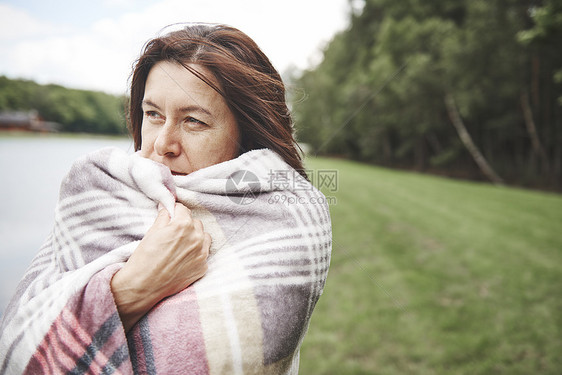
(251, 86)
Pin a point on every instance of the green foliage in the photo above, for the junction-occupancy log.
(437, 276)
(76, 110)
(546, 34)
(378, 94)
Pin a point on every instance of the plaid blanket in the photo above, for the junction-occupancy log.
(267, 267)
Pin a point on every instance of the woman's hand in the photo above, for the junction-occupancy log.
(171, 256)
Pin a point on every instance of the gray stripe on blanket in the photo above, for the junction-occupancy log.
(147, 344)
(116, 360)
(283, 311)
(132, 351)
(8, 355)
(98, 341)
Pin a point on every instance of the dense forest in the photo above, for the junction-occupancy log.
(461, 87)
(75, 110)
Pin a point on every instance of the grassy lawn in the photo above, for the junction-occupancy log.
(436, 276)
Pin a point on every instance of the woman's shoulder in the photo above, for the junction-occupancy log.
(90, 170)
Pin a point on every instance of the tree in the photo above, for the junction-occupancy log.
(380, 93)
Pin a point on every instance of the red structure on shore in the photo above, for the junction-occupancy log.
(26, 121)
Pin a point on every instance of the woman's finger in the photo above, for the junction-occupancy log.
(198, 225)
(207, 240)
(163, 217)
(181, 208)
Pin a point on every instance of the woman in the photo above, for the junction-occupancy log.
(181, 258)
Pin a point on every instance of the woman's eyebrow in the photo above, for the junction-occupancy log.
(189, 108)
(150, 103)
(195, 108)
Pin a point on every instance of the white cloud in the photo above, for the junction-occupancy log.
(16, 23)
(118, 3)
(80, 61)
(100, 55)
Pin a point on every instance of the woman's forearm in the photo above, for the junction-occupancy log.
(132, 303)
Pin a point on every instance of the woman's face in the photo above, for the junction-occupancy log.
(186, 124)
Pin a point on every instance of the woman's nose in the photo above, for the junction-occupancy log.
(168, 141)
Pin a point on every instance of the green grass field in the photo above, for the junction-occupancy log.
(437, 276)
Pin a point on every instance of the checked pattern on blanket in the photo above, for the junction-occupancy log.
(267, 268)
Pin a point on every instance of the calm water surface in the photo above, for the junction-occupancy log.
(31, 169)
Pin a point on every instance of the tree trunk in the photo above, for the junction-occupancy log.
(535, 77)
(538, 149)
(467, 141)
(420, 154)
(387, 148)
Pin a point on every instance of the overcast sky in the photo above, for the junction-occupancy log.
(91, 44)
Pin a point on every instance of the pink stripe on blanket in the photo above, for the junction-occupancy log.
(137, 351)
(62, 347)
(86, 337)
(178, 347)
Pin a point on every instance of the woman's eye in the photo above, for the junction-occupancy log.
(194, 121)
(152, 114)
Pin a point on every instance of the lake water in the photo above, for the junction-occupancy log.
(31, 170)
